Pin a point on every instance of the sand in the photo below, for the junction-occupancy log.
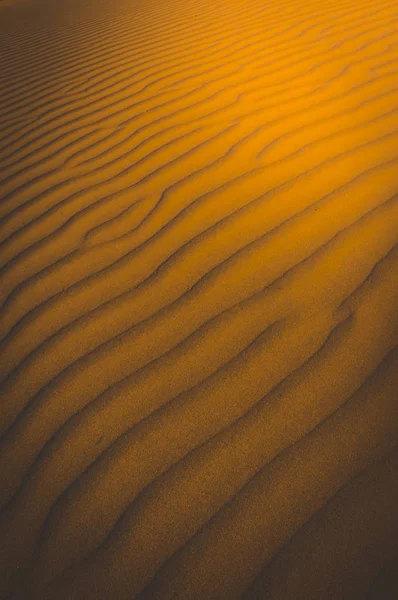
(199, 299)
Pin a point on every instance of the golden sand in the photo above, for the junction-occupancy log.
(199, 299)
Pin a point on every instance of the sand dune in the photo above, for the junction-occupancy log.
(199, 294)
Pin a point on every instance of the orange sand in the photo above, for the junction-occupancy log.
(199, 294)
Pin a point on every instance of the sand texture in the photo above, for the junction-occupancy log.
(198, 299)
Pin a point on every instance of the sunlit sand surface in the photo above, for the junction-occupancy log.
(199, 294)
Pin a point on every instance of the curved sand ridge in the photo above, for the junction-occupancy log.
(198, 286)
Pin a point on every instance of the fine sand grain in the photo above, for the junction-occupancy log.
(198, 299)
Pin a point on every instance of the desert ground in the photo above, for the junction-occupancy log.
(198, 299)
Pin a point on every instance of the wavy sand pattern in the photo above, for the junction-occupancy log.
(199, 293)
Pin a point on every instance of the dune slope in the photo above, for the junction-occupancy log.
(198, 299)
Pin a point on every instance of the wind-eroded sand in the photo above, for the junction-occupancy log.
(199, 290)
